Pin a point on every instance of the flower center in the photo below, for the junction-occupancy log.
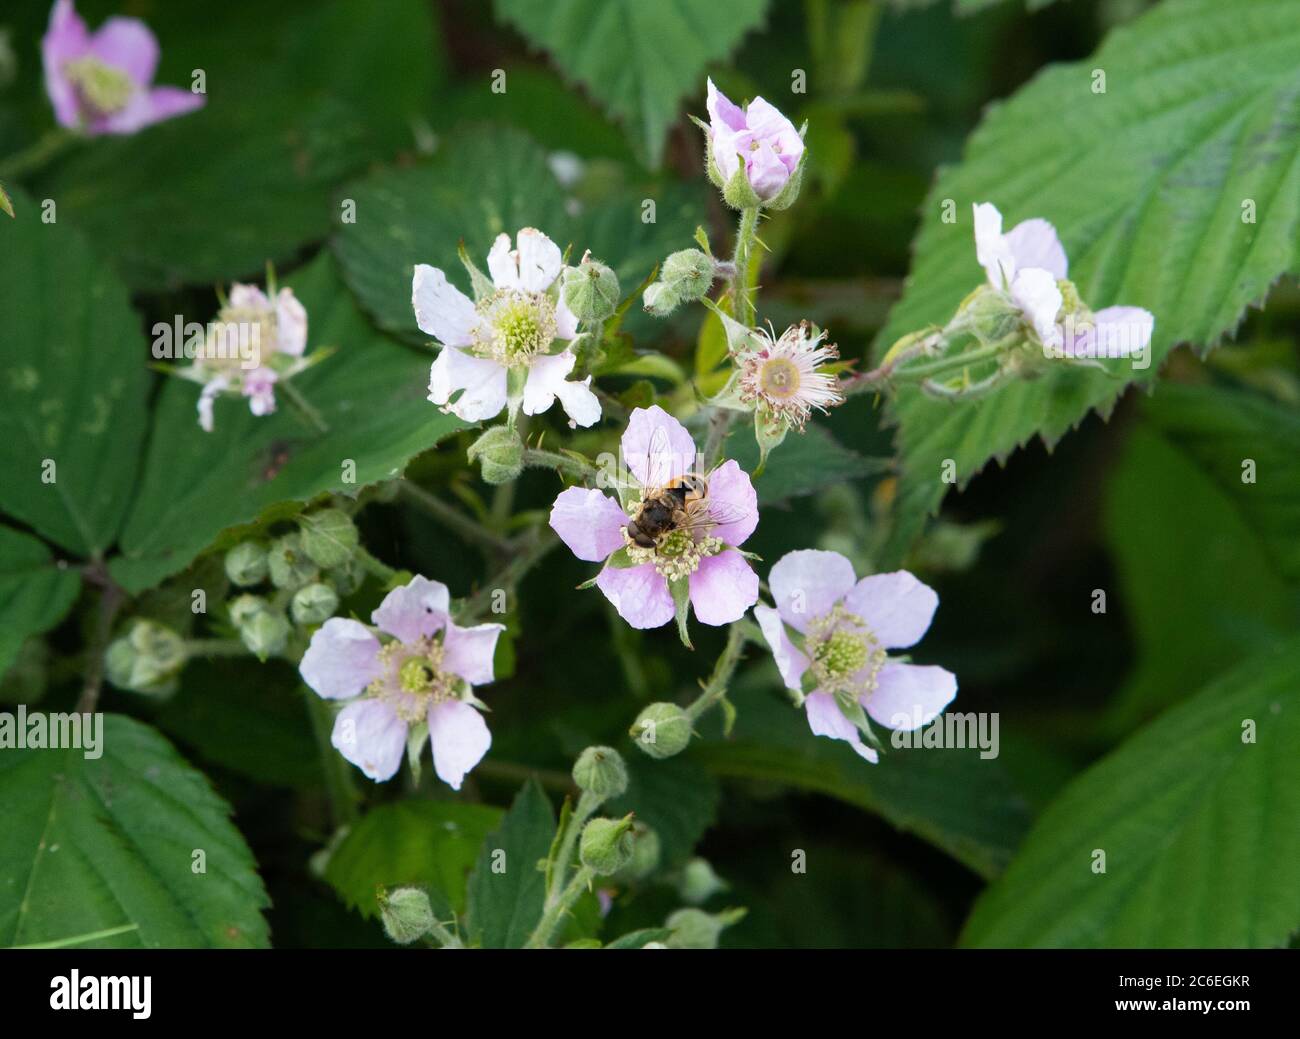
(845, 654)
(102, 88)
(779, 378)
(239, 335)
(677, 553)
(520, 325)
(411, 678)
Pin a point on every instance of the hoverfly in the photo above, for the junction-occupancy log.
(677, 502)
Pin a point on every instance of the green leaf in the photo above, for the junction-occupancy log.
(1198, 828)
(1145, 185)
(804, 464)
(506, 889)
(482, 184)
(73, 389)
(640, 939)
(97, 844)
(418, 843)
(639, 59)
(680, 590)
(1199, 602)
(371, 392)
(676, 798)
(952, 798)
(35, 592)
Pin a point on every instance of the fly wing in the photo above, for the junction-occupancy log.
(659, 459)
(714, 514)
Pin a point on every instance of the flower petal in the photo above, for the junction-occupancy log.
(545, 374)
(259, 388)
(540, 260)
(483, 381)
(1039, 298)
(290, 324)
(910, 695)
(991, 247)
(566, 321)
(790, 660)
(674, 451)
(371, 736)
(732, 497)
(342, 659)
(723, 113)
(896, 606)
(211, 390)
(503, 263)
(1115, 332)
(723, 588)
(806, 584)
(64, 40)
(579, 402)
(419, 607)
(639, 593)
(1033, 243)
(589, 523)
(826, 719)
(468, 652)
(127, 44)
(458, 737)
(441, 309)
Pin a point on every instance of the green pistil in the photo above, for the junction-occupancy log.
(520, 325)
(678, 553)
(102, 88)
(411, 678)
(845, 655)
(416, 675)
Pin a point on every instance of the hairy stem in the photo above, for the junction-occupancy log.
(716, 687)
(586, 807)
(554, 915)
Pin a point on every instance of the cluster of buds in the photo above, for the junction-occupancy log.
(146, 659)
(309, 570)
(684, 277)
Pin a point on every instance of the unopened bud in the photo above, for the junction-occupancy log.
(500, 454)
(329, 537)
(290, 566)
(347, 578)
(646, 851)
(662, 730)
(246, 564)
(406, 913)
(660, 300)
(606, 845)
(314, 604)
(265, 632)
(145, 660)
(591, 291)
(600, 771)
(696, 929)
(688, 274)
(698, 882)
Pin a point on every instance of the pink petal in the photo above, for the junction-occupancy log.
(342, 659)
(896, 606)
(806, 584)
(826, 719)
(1033, 243)
(290, 324)
(790, 660)
(127, 44)
(418, 608)
(1114, 332)
(371, 736)
(459, 738)
(441, 309)
(540, 260)
(588, 522)
(723, 113)
(909, 695)
(731, 496)
(639, 594)
(64, 40)
(483, 381)
(674, 451)
(149, 107)
(468, 652)
(766, 170)
(723, 588)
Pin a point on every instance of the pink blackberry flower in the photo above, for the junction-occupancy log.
(758, 136)
(419, 669)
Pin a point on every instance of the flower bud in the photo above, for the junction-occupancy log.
(264, 629)
(698, 882)
(688, 274)
(347, 578)
(696, 929)
(246, 564)
(314, 604)
(242, 608)
(646, 851)
(329, 537)
(662, 730)
(988, 314)
(147, 659)
(289, 565)
(591, 291)
(500, 454)
(606, 845)
(600, 771)
(406, 913)
(660, 300)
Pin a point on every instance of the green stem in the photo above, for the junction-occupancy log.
(445, 938)
(110, 601)
(81, 939)
(716, 687)
(452, 518)
(303, 405)
(745, 235)
(962, 360)
(39, 153)
(551, 919)
(586, 807)
(536, 457)
(339, 787)
(380, 570)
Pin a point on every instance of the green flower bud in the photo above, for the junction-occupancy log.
(145, 660)
(989, 315)
(696, 929)
(242, 608)
(660, 300)
(606, 845)
(662, 730)
(246, 564)
(600, 771)
(698, 882)
(500, 454)
(266, 632)
(406, 914)
(314, 604)
(646, 851)
(688, 274)
(329, 537)
(591, 291)
(289, 564)
(347, 578)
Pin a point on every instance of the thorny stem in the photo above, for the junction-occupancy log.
(110, 601)
(452, 518)
(541, 937)
(716, 687)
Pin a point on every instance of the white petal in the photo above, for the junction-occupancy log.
(540, 260)
(579, 401)
(806, 584)
(545, 375)
(441, 309)
(790, 660)
(371, 736)
(503, 263)
(896, 607)
(910, 695)
(469, 652)
(459, 738)
(483, 381)
(1039, 298)
(1033, 243)
(991, 248)
(826, 719)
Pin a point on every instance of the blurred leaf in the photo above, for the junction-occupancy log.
(482, 184)
(371, 392)
(96, 844)
(1198, 827)
(418, 843)
(73, 392)
(35, 593)
(504, 907)
(676, 798)
(804, 464)
(639, 59)
(1138, 181)
(640, 939)
(1196, 583)
(952, 798)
